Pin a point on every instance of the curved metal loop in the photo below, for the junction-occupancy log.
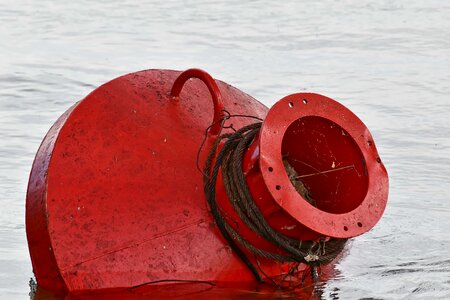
(213, 89)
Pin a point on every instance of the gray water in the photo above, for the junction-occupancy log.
(388, 61)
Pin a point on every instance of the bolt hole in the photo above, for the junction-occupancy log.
(305, 101)
(291, 105)
(359, 224)
(378, 160)
(270, 169)
(278, 187)
(345, 228)
(369, 143)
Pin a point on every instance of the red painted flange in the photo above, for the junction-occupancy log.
(115, 199)
(334, 155)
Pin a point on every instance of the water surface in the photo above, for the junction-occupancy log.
(388, 61)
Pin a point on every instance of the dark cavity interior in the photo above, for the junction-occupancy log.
(328, 162)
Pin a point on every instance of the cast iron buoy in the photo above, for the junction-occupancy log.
(115, 198)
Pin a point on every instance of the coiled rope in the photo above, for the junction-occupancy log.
(229, 161)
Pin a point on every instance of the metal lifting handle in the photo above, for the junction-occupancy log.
(212, 87)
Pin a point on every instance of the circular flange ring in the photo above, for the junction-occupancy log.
(343, 225)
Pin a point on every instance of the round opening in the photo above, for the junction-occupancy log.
(291, 104)
(324, 164)
(270, 169)
(278, 187)
(359, 224)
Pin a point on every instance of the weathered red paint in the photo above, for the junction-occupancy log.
(319, 134)
(315, 134)
(115, 199)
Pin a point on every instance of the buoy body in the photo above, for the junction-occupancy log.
(115, 198)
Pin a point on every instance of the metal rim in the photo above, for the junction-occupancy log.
(280, 117)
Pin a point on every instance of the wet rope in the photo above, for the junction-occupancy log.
(229, 161)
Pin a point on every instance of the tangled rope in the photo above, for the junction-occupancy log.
(229, 161)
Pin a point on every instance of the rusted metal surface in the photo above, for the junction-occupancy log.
(115, 199)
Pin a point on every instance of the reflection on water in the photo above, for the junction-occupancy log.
(191, 291)
(196, 290)
(388, 61)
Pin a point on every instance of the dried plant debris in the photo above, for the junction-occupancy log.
(297, 183)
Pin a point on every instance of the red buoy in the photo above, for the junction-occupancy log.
(115, 198)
